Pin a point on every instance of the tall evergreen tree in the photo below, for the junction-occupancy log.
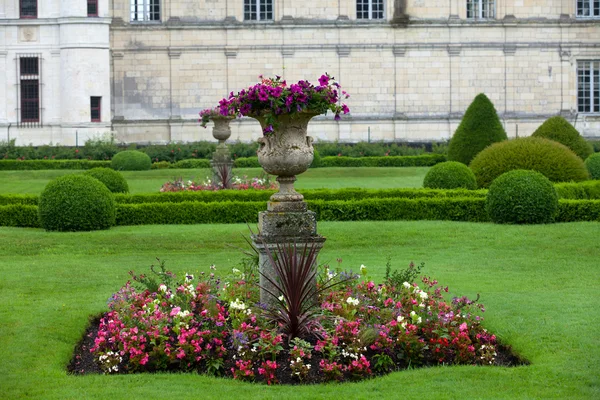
(479, 128)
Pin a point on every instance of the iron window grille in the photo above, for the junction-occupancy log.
(92, 8)
(145, 10)
(95, 108)
(28, 8)
(481, 9)
(588, 9)
(258, 10)
(369, 9)
(29, 82)
(588, 86)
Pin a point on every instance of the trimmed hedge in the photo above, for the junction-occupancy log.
(191, 163)
(592, 163)
(454, 209)
(450, 175)
(586, 190)
(25, 199)
(75, 202)
(522, 197)
(426, 160)
(131, 160)
(249, 162)
(552, 159)
(479, 128)
(113, 180)
(18, 165)
(560, 130)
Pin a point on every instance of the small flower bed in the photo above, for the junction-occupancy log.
(217, 326)
(237, 183)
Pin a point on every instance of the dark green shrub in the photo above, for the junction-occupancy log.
(424, 160)
(316, 163)
(522, 197)
(18, 165)
(113, 180)
(552, 159)
(479, 128)
(131, 160)
(560, 130)
(592, 163)
(76, 203)
(161, 165)
(586, 190)
(250, 162)
(19, 215)
(191, 164)
(450, 175)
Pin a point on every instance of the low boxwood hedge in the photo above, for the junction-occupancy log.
(454, 209)
(22, 165)
(425, 160)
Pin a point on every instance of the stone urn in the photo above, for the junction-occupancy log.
(286, 152)
(221, 162)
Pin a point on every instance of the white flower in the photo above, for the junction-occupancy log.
(423, 295)
(406, 285)
(400, 318)
(351, 301)
(163, 288)
(422, 305)
(363, 269)
(183, 314)
(236, 271)
(237, 305)
(281, 298)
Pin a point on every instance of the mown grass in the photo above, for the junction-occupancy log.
(539, 284)
(150, 181)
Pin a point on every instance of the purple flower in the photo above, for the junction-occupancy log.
(337, 117)
(263, 96)
(268, 129)
(324, 80)
(345, 109)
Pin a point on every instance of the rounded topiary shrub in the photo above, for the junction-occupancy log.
(522, 197)
(450, 175)
(560, 130)
(553, 160)
(76, 203)
(113, 180)
(592, 164)
(131, 160)
(479, 128)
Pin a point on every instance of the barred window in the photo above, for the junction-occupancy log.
(481, 9)
(96, 108)
(588, 8)
(588, 86)
(258, 10)
(29, 90)
(145, 10)
(92, 8)
(28, 8)
(369, 9)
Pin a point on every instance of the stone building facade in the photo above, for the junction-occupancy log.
(412, 67)
(55, 63)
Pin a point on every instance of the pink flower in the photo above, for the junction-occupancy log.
(175, 311)
(463, 327)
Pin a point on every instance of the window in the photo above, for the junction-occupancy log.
(95, 108)
(369, 9)
(588, 86)
(258, 10)
(92, 8)
(145, 10)
(588, 8)
(481, 9)
(29, 81)
(28, 8)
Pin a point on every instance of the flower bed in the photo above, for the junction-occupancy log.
(217, 326)
(237, 183)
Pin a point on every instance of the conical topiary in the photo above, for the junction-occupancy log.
(479, 128)
(561, 131)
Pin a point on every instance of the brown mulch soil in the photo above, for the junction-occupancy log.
(83, 361)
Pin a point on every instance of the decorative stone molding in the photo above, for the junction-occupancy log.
(28, 33)
(231, 52)
(454, 50)
(510, 50)
(117, 56)
(174, 53)
(399, 51)
(287, 53)
(343, 51)
(55, 53)
(565, 55)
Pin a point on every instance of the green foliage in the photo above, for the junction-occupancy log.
(191, 163)
(522, 197)
(560, 130)
(316, 163)
(131, 160)
(377, 149)
(479, 128)
(113, 180)
(246, 162)
(152, 282)
(450, 175)
(586, 190)
(19, 215)
(161, 165)
(396, 278)
(76, 203)
(578, 210)
(18, 165)
(592, 163)
(24, 199)
(425, 160)
(552, 159)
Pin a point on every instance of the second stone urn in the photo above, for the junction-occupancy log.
(286, 152)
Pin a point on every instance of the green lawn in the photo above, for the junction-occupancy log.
(151, 181)
(539, 284)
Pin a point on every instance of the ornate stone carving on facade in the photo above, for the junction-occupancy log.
(454, 50)
(174, 53)
(565, 55)
(28, 33)
(343, 51)
(510, 50)
(117, 55)
(287, 53)
(399, 51)
(231, 52)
